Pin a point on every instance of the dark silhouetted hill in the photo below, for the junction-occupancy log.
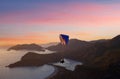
(81, 72)
(33, 47)
(74, 44)
(115, 42)
(34, 59)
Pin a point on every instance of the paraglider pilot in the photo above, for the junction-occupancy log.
(64, 41)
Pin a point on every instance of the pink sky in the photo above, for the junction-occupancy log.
(43, 22)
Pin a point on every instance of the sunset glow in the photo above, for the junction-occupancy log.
(41, 21)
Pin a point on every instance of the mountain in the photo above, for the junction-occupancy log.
(103, 62)
(81, 50)
(49, 44)
(34, 59)
(111, 53)
(74, 44)
(115, 42)
(97, 53)
(33, 47)
(87, 72)
(80, 72)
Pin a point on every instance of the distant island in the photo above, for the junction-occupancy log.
(33, 47)
(101, 59)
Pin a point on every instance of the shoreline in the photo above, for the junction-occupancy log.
(54, 73)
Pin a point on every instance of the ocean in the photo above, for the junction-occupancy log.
(8, 57)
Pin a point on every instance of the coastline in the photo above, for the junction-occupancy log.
(53, 74)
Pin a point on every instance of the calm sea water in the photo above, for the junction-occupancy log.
(8, 57)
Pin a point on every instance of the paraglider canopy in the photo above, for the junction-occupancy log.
(64, 39)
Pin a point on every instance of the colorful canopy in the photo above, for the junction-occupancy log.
(64, 39)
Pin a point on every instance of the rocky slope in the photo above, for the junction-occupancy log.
(88, 72)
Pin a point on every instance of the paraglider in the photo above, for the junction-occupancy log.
(64, 41)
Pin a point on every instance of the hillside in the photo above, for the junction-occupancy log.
(33, 47)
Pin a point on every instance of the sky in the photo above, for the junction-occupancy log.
(41, 21)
